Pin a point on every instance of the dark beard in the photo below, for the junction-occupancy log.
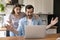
(30, 15)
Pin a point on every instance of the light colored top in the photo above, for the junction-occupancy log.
(14, 20)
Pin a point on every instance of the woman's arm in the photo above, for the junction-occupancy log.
(10, 28)
(17, 31)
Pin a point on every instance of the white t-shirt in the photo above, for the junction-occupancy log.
(29, 21)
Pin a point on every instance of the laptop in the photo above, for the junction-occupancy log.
(35, 31)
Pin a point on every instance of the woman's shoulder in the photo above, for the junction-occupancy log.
(11, 16)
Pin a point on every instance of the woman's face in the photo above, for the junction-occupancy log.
(17, 10)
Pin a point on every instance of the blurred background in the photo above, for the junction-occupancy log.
(46, 9)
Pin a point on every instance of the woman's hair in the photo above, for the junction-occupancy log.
(16, 5)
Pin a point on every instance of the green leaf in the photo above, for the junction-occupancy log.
(1, 7)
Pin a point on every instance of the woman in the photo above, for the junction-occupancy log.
(14, 17)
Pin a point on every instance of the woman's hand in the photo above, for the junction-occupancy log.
(9, 22)
(9, 27)
(53, 22)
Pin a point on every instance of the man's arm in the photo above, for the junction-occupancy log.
(20, 28)
(53, 22)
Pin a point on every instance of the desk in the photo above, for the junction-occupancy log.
(48, 37)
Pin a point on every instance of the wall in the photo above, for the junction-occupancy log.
(41, 6)
(8, 10)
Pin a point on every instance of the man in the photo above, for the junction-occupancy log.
(30, 20)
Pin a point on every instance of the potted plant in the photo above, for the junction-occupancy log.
(1, 7)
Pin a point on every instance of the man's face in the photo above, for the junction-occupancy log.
(29, 12)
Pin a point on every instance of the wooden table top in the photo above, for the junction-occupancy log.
(48, 37)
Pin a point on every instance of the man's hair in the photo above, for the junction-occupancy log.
(28, 7)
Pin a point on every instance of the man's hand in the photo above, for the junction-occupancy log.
(53, 22)
(36, 16)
